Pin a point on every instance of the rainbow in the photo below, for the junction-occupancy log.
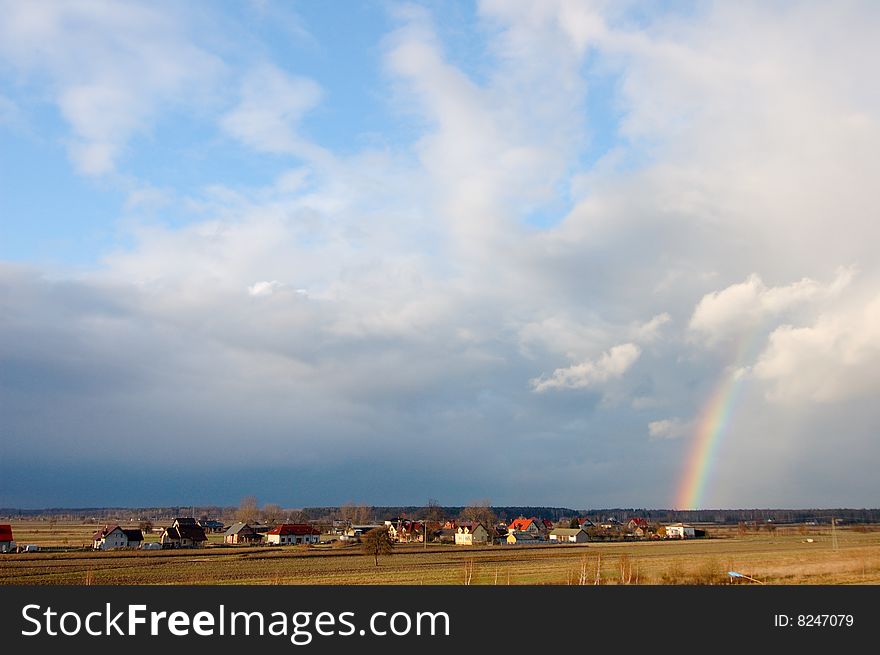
(712, 425)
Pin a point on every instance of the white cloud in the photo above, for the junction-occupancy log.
(264, 288)
(560, 334)
(268, 288)
(669, 428)
(835, 358)
(746, 304)
(10, 114)
(612, 364)
(650, 330)
(491, 153)
(111, 66)
(272, 104)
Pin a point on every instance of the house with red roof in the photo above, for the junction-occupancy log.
(7, 543)
(292, 534)
(634, 523)
(523, 524)
(637, 527)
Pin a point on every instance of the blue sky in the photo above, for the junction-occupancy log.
(392, 251)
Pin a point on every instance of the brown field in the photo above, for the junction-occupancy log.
(782, 557)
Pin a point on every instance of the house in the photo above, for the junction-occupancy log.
(210, 525)
(611, 523)
(446, 535)
(293, 533)
(241, 533)
(637, 524)
(638, 527)
(406, 531)
(355, 532)
(7, 543)
(135, 537)
(110, 536)
(585, 522)
(569, 536)
(470, 534)
(412, 531)
(184, 533)
(113, 536)
(519, 537)
(680, 531)
(525, 525)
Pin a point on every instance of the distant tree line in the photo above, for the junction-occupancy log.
(360, 513)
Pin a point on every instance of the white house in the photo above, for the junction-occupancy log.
(112, 536)
(569, 536)
(293, 533)
(470, 534)
(679, 531)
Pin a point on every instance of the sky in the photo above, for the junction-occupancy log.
(588, 254)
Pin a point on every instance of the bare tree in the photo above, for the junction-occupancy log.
(377, 542)
(626, 569)
(480, 512)
(272, 513)
(346, 512)
(355, 514)
(297, 516)
(469, 571)
(248, 510)
(582, 575)
(433, 511)
(364, 514)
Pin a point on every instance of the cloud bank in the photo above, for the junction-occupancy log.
(533, 261)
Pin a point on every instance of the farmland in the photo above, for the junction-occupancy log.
(788, 555)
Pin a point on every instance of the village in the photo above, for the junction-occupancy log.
(189, 532)
(479, 544)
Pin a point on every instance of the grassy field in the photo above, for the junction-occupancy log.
(783, 557)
